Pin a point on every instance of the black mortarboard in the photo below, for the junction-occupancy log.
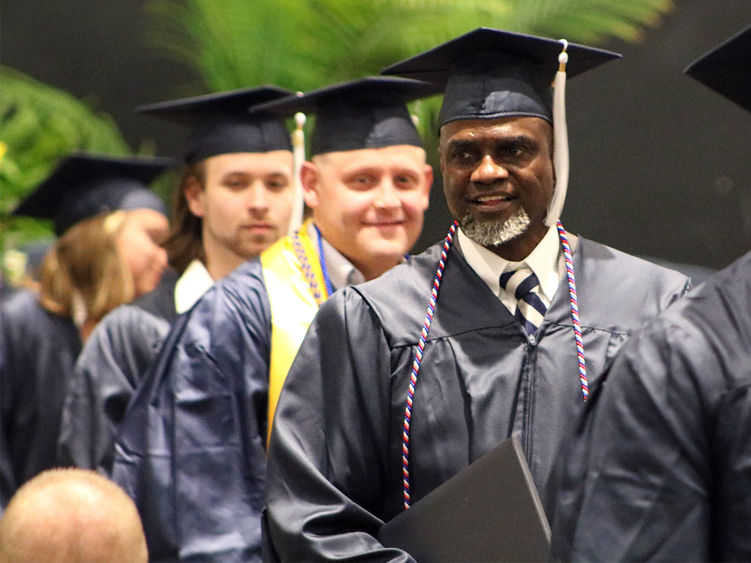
(222, 124)
(365, 113)
(489, 73)
(726, 69)
(84, 185)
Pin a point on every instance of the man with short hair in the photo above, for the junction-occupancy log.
(661, 466)
(501, 330)
(192, 449)
(71, 516)
(235, 199)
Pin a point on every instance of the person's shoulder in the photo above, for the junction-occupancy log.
(399, 280)
(161, 301)
(238, 300)
(23, 308)
(606, 259)
(397, 298)
(248, 275)
(703, 337)
(127, 322)
(243, 283)
(152, 312)
(20, 300)
(738, 274)
(696, 273)
(726, 295)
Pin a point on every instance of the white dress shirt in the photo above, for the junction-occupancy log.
(546, 261)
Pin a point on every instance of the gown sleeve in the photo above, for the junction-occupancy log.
(38, 350)
(329, 440)
(660, 469)
(114, 359)
(191, 450)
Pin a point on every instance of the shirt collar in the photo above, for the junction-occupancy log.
(194, 282)
(341, 271)
(543, 261)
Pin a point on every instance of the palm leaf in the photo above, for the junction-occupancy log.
(39, 124)
(302, 44)
(305, 44)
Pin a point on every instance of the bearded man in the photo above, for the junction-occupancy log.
(403, 381)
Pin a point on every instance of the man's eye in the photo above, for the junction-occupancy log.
(405, 180)
(515, 151)
(463, 157)
(277, 183)
(362, 180)
(235, 183)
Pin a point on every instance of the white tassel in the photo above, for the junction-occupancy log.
(560, 140)
(79, 312)
(298, 154)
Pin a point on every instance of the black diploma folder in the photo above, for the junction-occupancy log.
(489, 511)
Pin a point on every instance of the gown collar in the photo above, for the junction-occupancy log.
(340, 270)
(194, 282)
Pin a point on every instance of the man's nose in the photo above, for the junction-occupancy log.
(257, 197)
(387, 195)
(489, 171)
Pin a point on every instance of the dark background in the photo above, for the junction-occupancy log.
(659, 166)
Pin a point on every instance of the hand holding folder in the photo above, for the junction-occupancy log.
(489, 511)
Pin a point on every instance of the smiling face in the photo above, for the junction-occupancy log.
(498, 179)
(245, 204)
(369, 203)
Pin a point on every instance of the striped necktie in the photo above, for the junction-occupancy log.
(522, 283)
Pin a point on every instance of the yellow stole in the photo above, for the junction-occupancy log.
(295, 286)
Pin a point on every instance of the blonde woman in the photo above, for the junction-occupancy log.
(110, 227)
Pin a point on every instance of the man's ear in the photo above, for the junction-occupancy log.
(428, 172)
(310, 184)
(194, 195)
(440, 159)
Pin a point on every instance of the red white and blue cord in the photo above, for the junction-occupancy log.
(418, 358)
(568, 259)
(583, 380)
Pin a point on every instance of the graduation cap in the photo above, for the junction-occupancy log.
(359, 114)
(84, 185)
(222, 124)
(726, 69)
(489, 73)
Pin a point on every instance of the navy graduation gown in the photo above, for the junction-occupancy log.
(661, 467)
(335, 452)
(193, 438)
(114, 359)
(38, 350)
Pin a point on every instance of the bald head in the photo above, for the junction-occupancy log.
(71, 516)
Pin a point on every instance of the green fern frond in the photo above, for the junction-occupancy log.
(304, 44)
(40, 124)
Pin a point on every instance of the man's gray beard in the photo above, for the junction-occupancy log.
(495, 233)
